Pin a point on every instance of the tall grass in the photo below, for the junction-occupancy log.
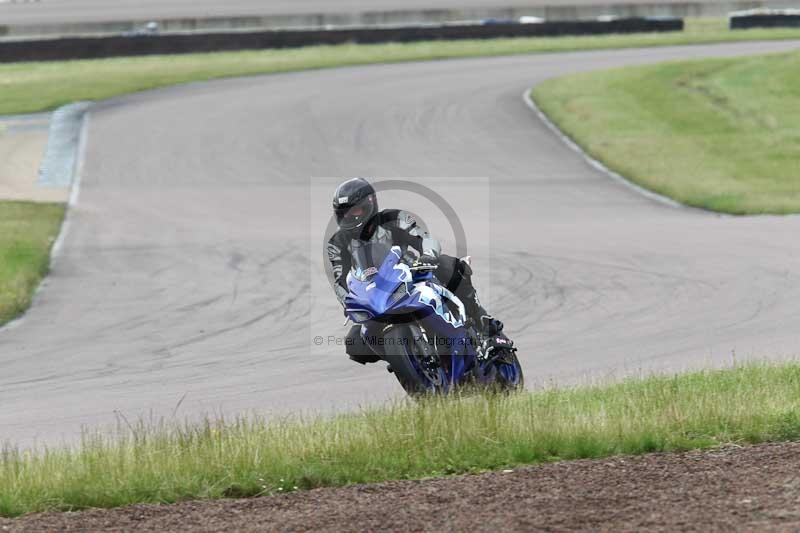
(166, 463)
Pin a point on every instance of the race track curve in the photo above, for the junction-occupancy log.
(191, 265)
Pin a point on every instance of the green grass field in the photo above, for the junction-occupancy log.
(720, 134)
(168, 463)
(27, 232)
(30, 87)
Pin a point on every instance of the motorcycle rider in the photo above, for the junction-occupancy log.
(360, 222)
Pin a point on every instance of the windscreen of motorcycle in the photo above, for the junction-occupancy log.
(368, 257)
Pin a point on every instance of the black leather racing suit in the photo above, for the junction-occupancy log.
(398, 228)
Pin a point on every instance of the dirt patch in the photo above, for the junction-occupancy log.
(751, 488)
(22, 146)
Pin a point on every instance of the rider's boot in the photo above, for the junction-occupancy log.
(493, 338)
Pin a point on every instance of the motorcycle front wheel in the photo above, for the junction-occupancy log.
(414, 361)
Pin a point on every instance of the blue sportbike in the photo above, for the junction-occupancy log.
(420, 328)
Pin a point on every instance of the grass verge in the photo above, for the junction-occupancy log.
(27, 232)
(31, 87)
(720, 134)
(168, 463)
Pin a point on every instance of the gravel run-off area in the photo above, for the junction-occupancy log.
(753, 488)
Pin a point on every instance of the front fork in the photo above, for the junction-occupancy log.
(455, 347)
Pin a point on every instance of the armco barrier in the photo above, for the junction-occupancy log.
(764, 21)
(184, 43)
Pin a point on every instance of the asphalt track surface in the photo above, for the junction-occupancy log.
(191, 265)
(71, 11)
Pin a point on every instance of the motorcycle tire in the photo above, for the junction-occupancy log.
(405, 351)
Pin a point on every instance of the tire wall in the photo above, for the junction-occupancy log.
(185, 43)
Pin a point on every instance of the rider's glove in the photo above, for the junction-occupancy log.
(427, 262)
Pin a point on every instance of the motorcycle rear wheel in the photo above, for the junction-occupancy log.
(507, 373)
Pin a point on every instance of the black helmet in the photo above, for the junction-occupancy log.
(354, 204)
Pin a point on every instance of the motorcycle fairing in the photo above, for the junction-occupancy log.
(395, 290)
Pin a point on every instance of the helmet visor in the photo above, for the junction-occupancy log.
(353, 217)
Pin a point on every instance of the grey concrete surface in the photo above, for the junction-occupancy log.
(192, 264)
